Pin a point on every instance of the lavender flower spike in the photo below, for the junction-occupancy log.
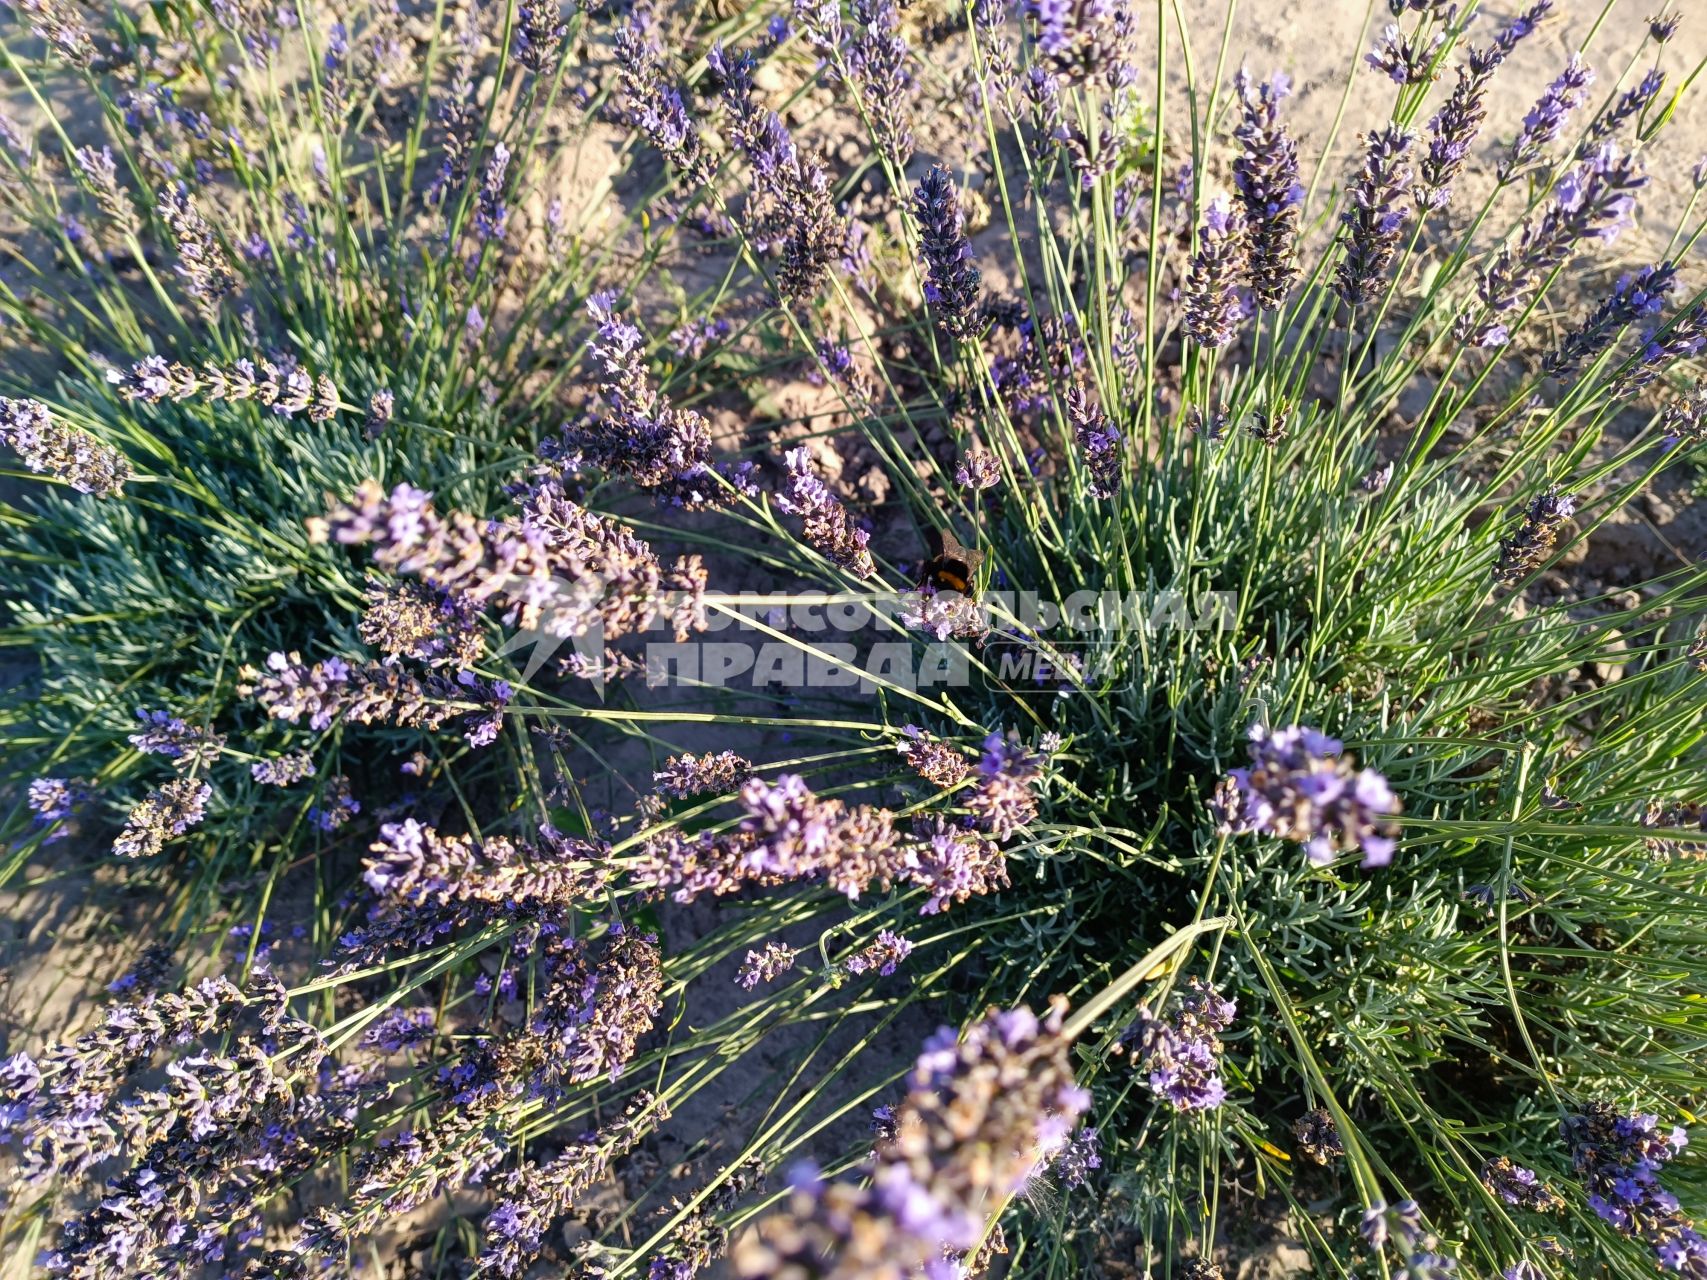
(1266, 176)
(1374, 218)
(1212, 308)
(1300, 786)
(951, 278)
(828, 528)
(50, 448)
(1638, 295)
(1547, 118)
(1594, 201)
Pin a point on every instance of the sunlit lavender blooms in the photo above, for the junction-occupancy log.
(713, 773)
(1181, 1055)
(1638, 295)
(877, 62)
(1300, 786)
(1455, 127)
(946, 615)
(978, 469)
(1374, 217)
(491, 213)
(1593, 202)
(100, 171)
(1402, 58)
(1265, 174)
(66, 453)
(1212, 307)
(54, 802)
(1005, 799)
(168, 811)
(1619, 1158)
(203, 266)
(1547, 118)
(882, 956)
(533, 1197)
(163, 734)
(285, 389)
(1099, 442)
(828, 528)
(539, 34)
(1078, 1158)
(983, 1114)
(952, 280)
(765, 965)
(1528, 548)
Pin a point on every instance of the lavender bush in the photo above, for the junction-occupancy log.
(1251, 825)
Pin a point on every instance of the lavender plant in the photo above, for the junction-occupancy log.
(589, 582)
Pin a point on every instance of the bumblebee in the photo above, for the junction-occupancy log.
(950, 566)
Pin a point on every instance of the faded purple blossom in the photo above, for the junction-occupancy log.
(66, 453)
(1547, 118)
(54, 802)
(1527, 549)
(1300, 786)
(983, 1115)
(766, 965)
(946, 615)
(882, 956)
(168, 811)
(978, 469)
(1317, 1137)
(285, 389)
(1265, 174)
(1212, 307)
(190, 748)
(828, 528)
(952, 280)
(1403, 58)
(284, 770)
(934, 760)
(202, 262)
(1374, 218)
(713, 773)
(1005, 799)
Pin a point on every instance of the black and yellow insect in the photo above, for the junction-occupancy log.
(950, 566)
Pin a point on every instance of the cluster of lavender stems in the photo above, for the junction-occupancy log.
(1455, 127)
(1595, 201)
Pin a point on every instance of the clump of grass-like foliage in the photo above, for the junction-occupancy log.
(398, 394)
